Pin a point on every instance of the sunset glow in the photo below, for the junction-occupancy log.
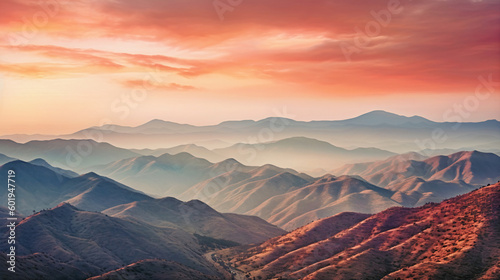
(67, 65)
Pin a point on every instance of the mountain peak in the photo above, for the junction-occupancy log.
(200, 205)
(161, 124)
(471, 155)
(301, 140)
(228, 164)
(91, 175)
(169, 200)
(350, 246)
(274, 119)
(65, 206)
(183, 157)
(379, 117)
(155, 122)
(39, 161)
(230, 161)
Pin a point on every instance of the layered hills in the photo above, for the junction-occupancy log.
(80, 244)
(378, 129)
(197, 217)
(456, 239)
(472, 167)
(39, 187)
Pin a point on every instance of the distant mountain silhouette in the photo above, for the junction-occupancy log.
(380, 117)
(377, 129)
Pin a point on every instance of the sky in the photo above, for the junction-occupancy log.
(68, 65)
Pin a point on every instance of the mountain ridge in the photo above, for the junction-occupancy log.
(91, 242)
(455, 239)
(400, 132)
(196, 217)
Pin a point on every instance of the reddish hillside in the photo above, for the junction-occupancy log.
(456, 239)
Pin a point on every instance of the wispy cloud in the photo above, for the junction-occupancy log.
(260, 51)
(152, 85)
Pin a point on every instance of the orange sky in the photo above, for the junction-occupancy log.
(67, 65)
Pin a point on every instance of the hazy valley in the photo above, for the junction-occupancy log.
(216, 202)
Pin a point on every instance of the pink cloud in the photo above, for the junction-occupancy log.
(439, 46)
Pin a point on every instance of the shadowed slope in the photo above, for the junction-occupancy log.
(154, 269)
(197, 217)
(89, 243)
(38, 187)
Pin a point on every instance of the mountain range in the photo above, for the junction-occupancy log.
(456, 239)
(299, 152)
(471, 167)
(40, 187)
(163, 175)
(196, 217)
(80, 244)
(378, 129)
(343, 225)
(68, 154)
(173, 175)
(4, 159)
(213, 202)
(291, 199)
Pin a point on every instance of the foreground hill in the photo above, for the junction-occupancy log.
(197, 217)
(39, 187)
(79, 244)
(4, 213)
(456, 239)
